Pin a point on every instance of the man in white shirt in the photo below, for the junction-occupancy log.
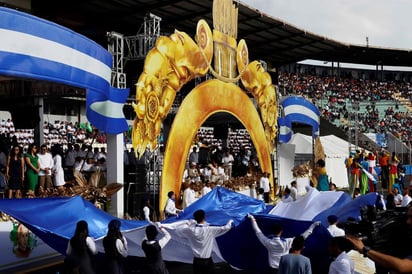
(287, 198)
(407, 198)
(201, 237)
(45, 174)
(170, 208)
(264, 183)
(333, 229)
(342, 263)
(277, 246)
(397, 197)
(227, 161)
(189, 195)
(206, 188)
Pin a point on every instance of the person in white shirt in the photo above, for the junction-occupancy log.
(201, 237)
(218, 172)
(191, 173)
(58, 171)
(75, 250)
(260, 194)
(148, 210)
(264, 183)
(206, 188)
(287, 198)
(45, 174)
(115, 248)
(170, 208)
(207, 172)
(407, 198)
(152, 247)
(342, 263)
(333, 229)
(227, 162)
(277, 246)
(397, 197)
(189, 195)
(294, 190)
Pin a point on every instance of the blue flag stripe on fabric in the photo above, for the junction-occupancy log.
(38, 49)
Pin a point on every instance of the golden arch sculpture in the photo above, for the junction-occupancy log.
(193, 112)
(178, 59)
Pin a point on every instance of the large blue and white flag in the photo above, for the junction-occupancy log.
(239, 247)
(297, 109)
(33, 48)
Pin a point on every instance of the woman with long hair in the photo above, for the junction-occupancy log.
(15, 172)
(79, 251)
(57, 170)
(33, 168)
(115, 247)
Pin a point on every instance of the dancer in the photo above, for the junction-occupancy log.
(295, 262)
(170, 208)
(277, 246)
(153, 249)
(115, 248)
(202, 237)
(79, 250)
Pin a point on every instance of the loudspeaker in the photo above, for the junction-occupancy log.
(26, 117)
(220, 132)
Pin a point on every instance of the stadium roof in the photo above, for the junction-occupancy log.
(269, 39)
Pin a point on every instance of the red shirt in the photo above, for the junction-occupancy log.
(383, 161)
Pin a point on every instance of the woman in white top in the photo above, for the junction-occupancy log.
(80, 249)
(57, 170)
(115, 248)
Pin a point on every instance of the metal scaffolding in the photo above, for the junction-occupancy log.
(115, 47)
(137, 46)
(125, 48)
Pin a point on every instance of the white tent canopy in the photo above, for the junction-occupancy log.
(336, 151)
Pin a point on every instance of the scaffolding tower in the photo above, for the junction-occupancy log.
(125, 48)
(137, 46)
(115, 47)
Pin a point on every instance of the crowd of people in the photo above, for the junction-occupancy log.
(335, 98)
(41, 171)
(284, 255)
(31, 170)
(57, 132)
(81, 248)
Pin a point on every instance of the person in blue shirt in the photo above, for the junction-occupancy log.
(294, 261)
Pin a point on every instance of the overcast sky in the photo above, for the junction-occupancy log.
(386, 23)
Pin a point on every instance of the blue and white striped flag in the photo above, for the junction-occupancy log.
(297, 110)
(38, 49)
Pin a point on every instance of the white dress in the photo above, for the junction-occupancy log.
(58, 178)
